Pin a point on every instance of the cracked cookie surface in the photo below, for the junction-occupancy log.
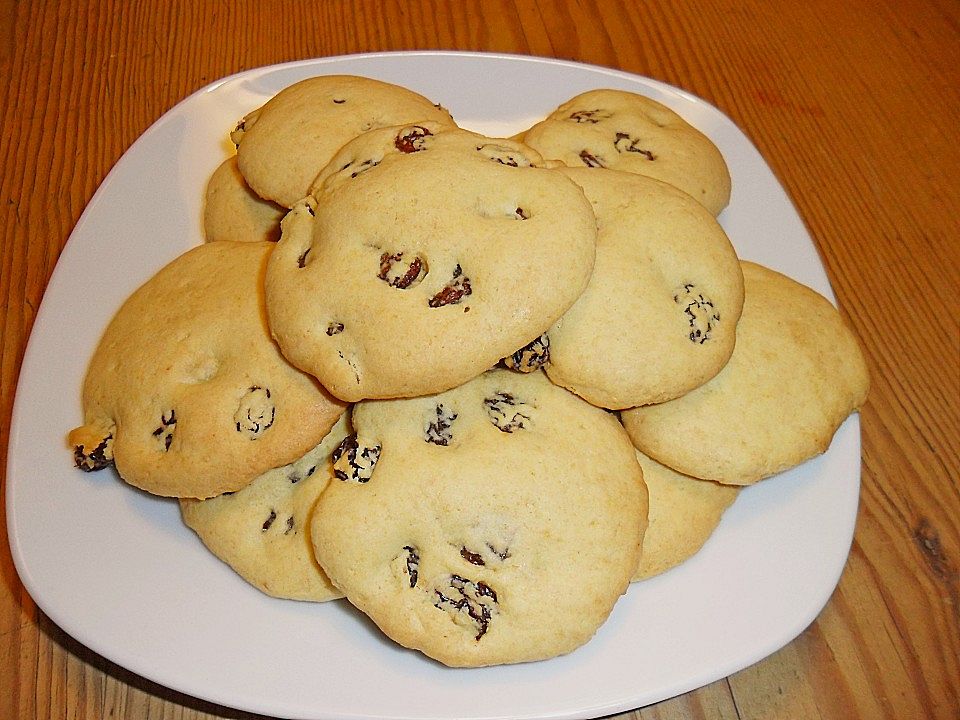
(491, 546)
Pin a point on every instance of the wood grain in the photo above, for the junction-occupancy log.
(856, 107)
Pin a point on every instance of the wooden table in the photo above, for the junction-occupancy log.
(856, 106)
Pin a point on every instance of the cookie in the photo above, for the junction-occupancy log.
(282, 145)
(262, 531)
(232, 211)
(186, 393)
(797, 372)
(427, 255)
(497, 522)
(684, 512)
(659, 315)
(626, 131)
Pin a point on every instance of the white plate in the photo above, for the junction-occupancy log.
(117, 570)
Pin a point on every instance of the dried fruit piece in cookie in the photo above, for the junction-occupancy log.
(92, 449)
(626, 131)
(509, 155)
(468, 603)
(461, 246)
(282, 145)
(255, 413)
(439, 429)
(399, 273)
(507, 412)
(659, 315)
(496, 547)
(702, 316)
(411, 564)
(532, 356)
(454, 291)
(187, 392)
(795, 375)
(354, 461)
(167, 427)
(262, 531)
(412, 139)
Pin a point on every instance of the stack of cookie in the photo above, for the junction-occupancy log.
(475, 385)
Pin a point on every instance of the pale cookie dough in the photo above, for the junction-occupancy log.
(427, 256)
(232, 211)
(626, 131)
(263, 530)
(659, 315)
(797, 372)
(282, 145)
(187, 393)
(498, 522)
(684, 512)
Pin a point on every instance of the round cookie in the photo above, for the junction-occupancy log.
(262, 531)
(625, 131)
(282, 145)
(187, 393)
(427, 255)
(684, 512)
(497, 522)
(797, 372)
(659, 315)
(232, 211)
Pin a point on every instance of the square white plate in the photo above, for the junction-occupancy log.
(117, 570)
